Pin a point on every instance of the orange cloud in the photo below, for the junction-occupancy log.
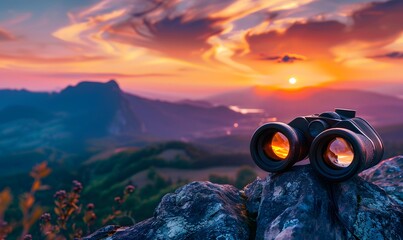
(85, 75)
(224, 43)
(50, 60)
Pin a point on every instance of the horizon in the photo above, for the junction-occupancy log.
(182, 50)
(173, 98)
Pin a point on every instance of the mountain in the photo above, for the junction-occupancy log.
(64, 120)
(177, 120)
(378, 109)
(93, 116)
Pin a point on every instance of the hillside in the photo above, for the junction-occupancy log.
(93, 117)
(154, 171)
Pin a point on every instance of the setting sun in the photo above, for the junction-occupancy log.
(292, 80)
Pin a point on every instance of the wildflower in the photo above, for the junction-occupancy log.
(118, 200)
(129, 189)
(60, 195)
(90, 206)
(45, 217)
(77, 186)
(28, 237)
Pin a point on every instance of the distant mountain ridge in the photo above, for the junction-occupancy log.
(378, 109)
(93, 110)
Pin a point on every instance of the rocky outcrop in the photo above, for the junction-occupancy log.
(292, 205)
(299, 205)
(199, 210)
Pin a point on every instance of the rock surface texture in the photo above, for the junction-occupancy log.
(291, 205)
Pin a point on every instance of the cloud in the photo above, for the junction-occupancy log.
(391, 55)
(286, 58)
(376, 25)
(175, 37)
(6, 36)
(185, 30)
(311, 38)
(234, 35)
(51, 60)
(378, 21)
(86, 75)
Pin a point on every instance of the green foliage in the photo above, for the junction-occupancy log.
(244, 176)
(214, 178)
(103, 183)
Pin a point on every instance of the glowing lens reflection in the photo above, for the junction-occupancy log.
(280, 146)
(339, 153)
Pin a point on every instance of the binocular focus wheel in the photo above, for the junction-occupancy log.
(272, 163)
(320, 163)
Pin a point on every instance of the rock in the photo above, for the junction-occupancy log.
(292, 205)
(389, 176)
(367, 212)
(199, 210)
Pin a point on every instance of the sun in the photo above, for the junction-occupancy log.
(292, 80)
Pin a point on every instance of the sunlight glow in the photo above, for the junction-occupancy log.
(292, 80)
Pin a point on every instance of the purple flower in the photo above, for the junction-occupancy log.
(77, 186)
(60, 195)
(28, 237)
(90, 206)
(129, 189)
(118, 199)
(46, 217)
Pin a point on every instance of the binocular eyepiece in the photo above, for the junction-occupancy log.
(339, 144)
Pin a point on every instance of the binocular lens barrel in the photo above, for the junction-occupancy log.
(277, 146)
(338, 154)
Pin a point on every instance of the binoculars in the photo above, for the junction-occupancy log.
(339, 144)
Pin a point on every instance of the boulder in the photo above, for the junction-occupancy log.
(199, 210)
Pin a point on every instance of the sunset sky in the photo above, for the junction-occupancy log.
(198, 48)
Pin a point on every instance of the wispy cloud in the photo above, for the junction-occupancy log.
(16, 19)
(6, 35)
(86, 75)
(51, 60)
(286, 58)
(390, 55)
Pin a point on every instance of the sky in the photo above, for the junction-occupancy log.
(197, 48)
